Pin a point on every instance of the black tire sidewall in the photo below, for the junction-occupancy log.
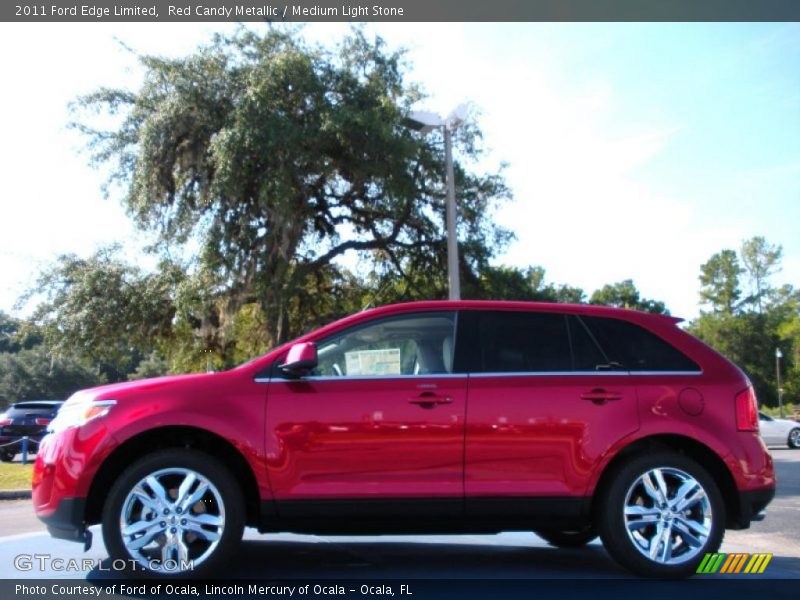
(195, 460)
(612, 523)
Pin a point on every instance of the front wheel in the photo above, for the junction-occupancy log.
(794, 438)
(661, 514)
(174, 512)
(7, 455)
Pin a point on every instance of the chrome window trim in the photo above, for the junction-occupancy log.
(582, 373)
(548, 374)
(676, 373)
(490, 374)
(368, 377)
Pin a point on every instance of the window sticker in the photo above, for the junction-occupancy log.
(373, 362)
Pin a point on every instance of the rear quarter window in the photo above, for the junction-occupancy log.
(635, 348)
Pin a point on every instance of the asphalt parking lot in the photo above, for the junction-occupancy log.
(514, 555)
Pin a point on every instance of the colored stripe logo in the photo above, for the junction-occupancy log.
(734, 563)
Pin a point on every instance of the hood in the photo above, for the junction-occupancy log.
(125, 389)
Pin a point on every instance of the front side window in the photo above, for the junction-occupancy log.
(416, 344)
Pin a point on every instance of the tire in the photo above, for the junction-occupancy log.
(793, 441)
(7, 455)
(167, 526)
(686, 535)
(568, 539)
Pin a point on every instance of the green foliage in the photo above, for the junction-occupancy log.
(36, 374)
(105, 310)
(277, 157)
(790, 411)
(719, 277)
(625, 295)
(512, 283)
(748, 331)
(154, 365)
(16, 334)
(761, 260)
(9, 327)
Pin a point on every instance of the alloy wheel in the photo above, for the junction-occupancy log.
(667, 515)
(172, 518)
(794, 438)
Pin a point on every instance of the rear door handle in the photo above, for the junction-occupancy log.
(429, 400)
(601, 396)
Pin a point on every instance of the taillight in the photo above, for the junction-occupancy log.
(43, 421)
(746, 410)
(5, 422)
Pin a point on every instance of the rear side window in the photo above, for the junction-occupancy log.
(586, 354)
(523, 342)
(632, 347)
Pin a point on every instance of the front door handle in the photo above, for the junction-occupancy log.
(429, 400)
(601, 396)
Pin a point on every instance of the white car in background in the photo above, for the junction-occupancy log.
(779, 431)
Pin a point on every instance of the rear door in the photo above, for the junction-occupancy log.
(544, 405)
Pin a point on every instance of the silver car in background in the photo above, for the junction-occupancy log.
(779, 432)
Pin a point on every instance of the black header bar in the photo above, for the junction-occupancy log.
(398, 10)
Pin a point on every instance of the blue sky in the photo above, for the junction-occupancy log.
(634, 150)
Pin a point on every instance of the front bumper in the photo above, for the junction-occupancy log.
(57, 498)
(66, 521)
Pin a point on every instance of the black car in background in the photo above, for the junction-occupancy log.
(30, 419)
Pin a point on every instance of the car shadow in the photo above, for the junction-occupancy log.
(348, 559)
(425, 560)
(331, 558)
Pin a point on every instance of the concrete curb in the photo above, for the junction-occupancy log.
(14, 494)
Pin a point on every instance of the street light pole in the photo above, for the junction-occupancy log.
(425, 122)
(778, 357)
(453, 277)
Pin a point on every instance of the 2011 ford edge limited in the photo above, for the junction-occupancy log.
(569, 421)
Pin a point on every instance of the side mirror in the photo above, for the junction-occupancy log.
(301, 359)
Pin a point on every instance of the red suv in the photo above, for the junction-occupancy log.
(569, 421)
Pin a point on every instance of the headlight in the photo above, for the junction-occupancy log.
(75, 414)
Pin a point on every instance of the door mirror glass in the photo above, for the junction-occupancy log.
(301, 359)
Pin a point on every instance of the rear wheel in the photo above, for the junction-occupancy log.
(661, 514)
(568, 539)
(7, 455)
(173, 512)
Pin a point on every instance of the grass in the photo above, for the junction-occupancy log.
(14, 476)
(790, 411)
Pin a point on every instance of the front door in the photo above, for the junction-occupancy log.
(379, 423)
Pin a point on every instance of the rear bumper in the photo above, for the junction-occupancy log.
(66, 521)
(751, 507)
